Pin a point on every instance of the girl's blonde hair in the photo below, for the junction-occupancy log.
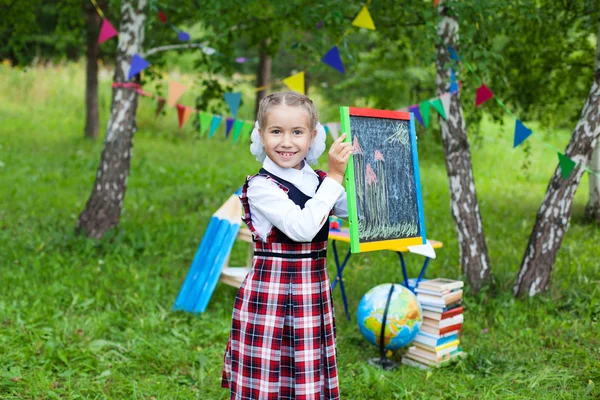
(290, 99)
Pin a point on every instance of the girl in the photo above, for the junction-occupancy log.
(282, 341)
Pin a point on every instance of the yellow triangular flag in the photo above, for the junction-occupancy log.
(295, 82)
(176, 89)
(363, 19)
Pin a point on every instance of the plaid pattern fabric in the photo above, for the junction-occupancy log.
(282, 341)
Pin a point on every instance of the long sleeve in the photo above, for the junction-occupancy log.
(340, 209)
(271, 206)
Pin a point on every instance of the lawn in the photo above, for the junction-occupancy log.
(89, 319)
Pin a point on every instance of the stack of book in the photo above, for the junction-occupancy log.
(437, 343)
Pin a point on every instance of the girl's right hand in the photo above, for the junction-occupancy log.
(339, 154)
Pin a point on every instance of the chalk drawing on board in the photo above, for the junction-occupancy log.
(388, 144)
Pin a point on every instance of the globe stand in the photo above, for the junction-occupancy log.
(382, 361)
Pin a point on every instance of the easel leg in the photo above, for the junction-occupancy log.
(404, 273)
(340, 270)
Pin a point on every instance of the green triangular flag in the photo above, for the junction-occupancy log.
(439, 107)
(566, 165)
(237, 128)
(246, 130)
(424, 108)
(205, 119)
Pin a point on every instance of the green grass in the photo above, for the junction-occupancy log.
(92, 319)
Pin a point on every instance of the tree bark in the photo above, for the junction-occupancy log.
(553, 216)
(103, 209)
(91, 73)
(473, 250)
(263, 74)
(592, 209)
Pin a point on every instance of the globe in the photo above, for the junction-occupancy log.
(403, 319)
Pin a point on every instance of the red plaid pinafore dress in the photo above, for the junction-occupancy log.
(282, 340)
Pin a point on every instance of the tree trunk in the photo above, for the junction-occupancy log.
(263, 74)
(91, 73)
(592, 209)
(473, 250)
(103, 209)
(555, 211)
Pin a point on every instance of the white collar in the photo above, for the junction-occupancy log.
(291, 175)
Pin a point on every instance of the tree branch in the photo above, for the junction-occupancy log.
(173, 47)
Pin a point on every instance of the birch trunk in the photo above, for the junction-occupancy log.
(103, 209)
(553, 216)
(592, 209)
(474, 257)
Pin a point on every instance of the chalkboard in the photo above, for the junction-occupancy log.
(385, 207)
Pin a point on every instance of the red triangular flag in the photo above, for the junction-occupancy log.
(162, 17)
(107, 31)
(183, 113)
(483, 94)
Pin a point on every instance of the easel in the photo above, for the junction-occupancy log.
(234, 276)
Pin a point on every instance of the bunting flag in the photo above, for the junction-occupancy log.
(334, 129)
(483, 94)
(228, 126)
(415, 110)
(159, 106)
(162, 17)
(566, 165)
(176, 89)
(436, 2)
(138, 64)
(205, 119)
(237, 129)
(246, 131)
(107, 31)
(233, 100)
(453, 54)
(214, 124)
(183, 113)
(364, 20)
(445, 99)
(332, 58)
(453, 83)
(183, 36)
(438, 106)
(424, 109)
(521, 133)
(295, 82)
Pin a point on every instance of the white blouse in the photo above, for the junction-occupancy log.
(270, 206)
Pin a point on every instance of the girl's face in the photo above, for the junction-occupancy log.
(287, 136)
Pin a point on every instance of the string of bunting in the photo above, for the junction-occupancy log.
(521, 132)
(233, 100)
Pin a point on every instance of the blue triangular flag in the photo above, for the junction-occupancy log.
(214, 124)
(138, 64)
(228, 126)
(233, 100)
(521, 133)
(332, 58)
(415, 110)
(453, 54)
(183, 36)
(453, 83)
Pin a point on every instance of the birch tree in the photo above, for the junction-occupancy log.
(464, 207)
(592, 209)
(553, 216)
(103, 209)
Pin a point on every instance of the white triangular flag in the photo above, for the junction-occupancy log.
(445, 98)
(423, 249)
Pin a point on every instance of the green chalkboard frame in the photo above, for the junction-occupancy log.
(396, 244)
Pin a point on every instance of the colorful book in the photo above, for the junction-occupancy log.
(441, 309)
(434, 356)
(442, 323)
(441, 284)
(439, 347)
(443, 301)
(440, 331)
(435, 341)
(444, 315)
